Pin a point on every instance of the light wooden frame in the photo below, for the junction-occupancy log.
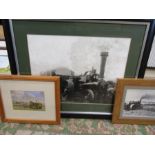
(120, 88)
(54, 79)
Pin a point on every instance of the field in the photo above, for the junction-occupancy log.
(4, 70)
(28, 106)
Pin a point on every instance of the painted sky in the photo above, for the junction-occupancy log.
(2, 44)
(3, 52)
(27, 96)
(78, 54)
(4, 61)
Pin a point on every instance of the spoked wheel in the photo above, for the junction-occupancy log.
(89, 95)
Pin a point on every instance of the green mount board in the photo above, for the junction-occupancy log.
(76, 28)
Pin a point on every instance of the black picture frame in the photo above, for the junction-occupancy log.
(140, 74)
(9, 45)
(147, 49)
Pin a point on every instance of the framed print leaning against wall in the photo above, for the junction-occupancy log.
(134, 102)
(149, 66)
(30, 99)
(7, 55)
(88, 55)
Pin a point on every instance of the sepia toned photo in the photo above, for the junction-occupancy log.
(139, 102)
(28, 100)
(88, 66)
(134, 101)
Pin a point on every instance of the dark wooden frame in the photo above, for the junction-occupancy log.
(140, 74)
(54, 79)
(118, 101)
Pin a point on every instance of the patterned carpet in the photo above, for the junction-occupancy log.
(76, 126)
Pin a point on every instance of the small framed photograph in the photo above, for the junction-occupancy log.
(30, 99)
(134, 102)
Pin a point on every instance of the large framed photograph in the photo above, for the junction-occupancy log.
(88, 55)
(30, 99)
(134, 102)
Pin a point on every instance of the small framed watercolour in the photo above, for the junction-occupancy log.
(30, 99)
(134, 102)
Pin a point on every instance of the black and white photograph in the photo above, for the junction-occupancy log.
(88, 66)
(138, 102)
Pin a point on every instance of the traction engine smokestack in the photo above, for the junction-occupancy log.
(103, 62)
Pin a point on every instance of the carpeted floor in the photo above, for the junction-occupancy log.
(76, 126)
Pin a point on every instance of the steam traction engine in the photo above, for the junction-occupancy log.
(89, 87)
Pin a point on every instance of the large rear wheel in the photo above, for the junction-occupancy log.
(89, 95)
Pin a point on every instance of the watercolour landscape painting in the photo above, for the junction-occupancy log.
(28, 100)
(4, 61)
